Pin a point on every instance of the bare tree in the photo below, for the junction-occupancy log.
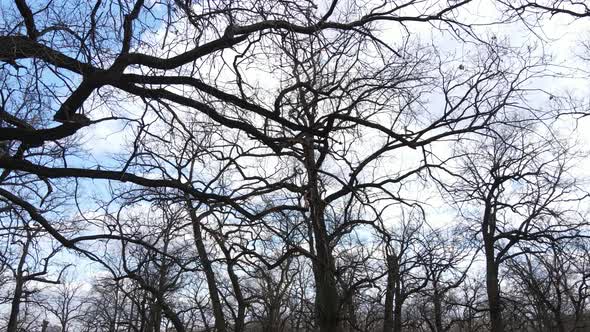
(64, 303)
(405, 271)
(514, 188)
(551, 282)
(268, 135)
(105, 304)
(32, 266)
(446, 262)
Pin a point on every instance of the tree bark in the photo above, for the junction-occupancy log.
(397, 312)
(220, 324)
(390, 293)
(437, 302)
(240, 322)
(393, 297)
(488, 230)
(493, 288)
(327, 301)
(15, 305)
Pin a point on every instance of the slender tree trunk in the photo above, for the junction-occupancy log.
(558, 308)
(131, 316)
(559, 322)
(240, 322)
(327, 300)
(390, 293)
(205, 320)
(164, 307)
(155, 318)
(352, 323)
(397, 312)
(118, 307)
(156, 312)
(393, 297)
(173, 317)
(143, 312)
(492, 283)
(493, 289)
(437, 302)
(220, 324)
(15, 305)
(18, 288)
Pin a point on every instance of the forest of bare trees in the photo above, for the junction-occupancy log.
(294, 165)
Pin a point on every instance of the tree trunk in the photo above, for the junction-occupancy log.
(350, 306)
(397, 313)
(390, 293)
(393, 297)
(437, 302)
(18, 288)
(488, 229)
(493, 289)
(272, 322)
(327, 301)
(154, 318)
(240, 322)
(15, 305)
(270, 325)
(559, 322)
(220, 324)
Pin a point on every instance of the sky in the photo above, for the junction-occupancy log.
(560, 37)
